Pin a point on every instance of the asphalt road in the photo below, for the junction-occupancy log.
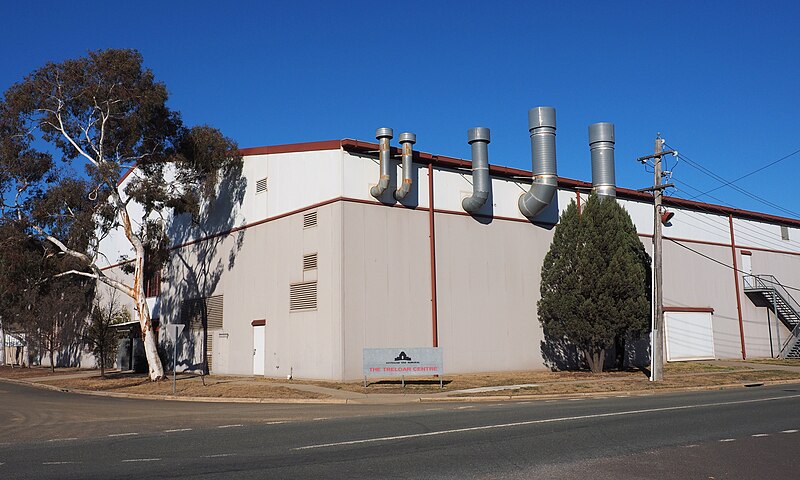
(737, 433)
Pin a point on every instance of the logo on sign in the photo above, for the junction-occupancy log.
(402, 356)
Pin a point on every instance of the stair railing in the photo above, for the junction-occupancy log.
(769, 282)
(791, 340)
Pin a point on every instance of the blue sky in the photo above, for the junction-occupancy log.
(718, 79)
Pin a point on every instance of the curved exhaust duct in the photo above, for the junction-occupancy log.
(406, 140)
(479, 139)
(542, 126)
(383, 135)
(601, 145)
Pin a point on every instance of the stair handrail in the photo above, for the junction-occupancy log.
(769, 282)
(792, 339)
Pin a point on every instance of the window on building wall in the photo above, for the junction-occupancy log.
(152, 278)
(784, 232)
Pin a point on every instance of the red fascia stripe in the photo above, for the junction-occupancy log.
(689, 309)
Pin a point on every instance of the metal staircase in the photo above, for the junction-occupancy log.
(767, 291)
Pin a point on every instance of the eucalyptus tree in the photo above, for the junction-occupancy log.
(69, 131)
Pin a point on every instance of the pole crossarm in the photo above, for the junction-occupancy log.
(657, 155)
(656, 187)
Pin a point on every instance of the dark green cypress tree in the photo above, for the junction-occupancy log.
(595, 280)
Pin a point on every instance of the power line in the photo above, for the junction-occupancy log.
(750, 231)
(721, 263)
(726, 182)
(749, 174)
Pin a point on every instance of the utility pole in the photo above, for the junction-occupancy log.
(657, 345)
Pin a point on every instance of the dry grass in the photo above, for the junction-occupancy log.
(568, 380)
(788, 362)
(677, 375)
(187, 385)
(31, 372)
(643, 384)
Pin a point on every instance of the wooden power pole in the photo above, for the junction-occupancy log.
(657, 346)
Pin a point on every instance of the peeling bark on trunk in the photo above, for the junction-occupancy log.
(138, 294)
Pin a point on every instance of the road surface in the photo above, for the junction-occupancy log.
(737, 433)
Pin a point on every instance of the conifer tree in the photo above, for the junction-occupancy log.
(595, 280)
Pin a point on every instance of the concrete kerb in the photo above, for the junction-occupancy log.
(395, 399)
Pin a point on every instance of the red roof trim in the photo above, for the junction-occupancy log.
(689, 309)
(125, 175)
(357, 146)
(293, 147)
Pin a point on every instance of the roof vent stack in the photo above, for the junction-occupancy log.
(406, 140)
(542, 127)
(383, 135)
(601, 145)
(479, 139)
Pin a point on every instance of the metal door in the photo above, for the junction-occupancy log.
(258, 350)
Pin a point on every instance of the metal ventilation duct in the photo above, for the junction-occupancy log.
(542, 126)
(383, 135)
(601, 145)
(406, 140)
(479, 139)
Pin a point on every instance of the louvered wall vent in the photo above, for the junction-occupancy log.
(192, 312)
(261, 185)
(310, 220)
(784, 232)
(214, 311)
(303, 296)
(310, 261)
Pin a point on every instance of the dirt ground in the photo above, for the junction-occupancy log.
(186, 385)
(676, 375)
(28, 372)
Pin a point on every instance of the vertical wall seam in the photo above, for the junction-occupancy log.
(736, 283)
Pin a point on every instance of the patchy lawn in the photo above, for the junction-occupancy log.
(789, 362)
(570, 382)
(643, 384)
(33, 372)
(187, 385)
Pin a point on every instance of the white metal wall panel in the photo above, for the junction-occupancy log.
(690, 336)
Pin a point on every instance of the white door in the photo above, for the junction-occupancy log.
(690, 336)
(258, 350)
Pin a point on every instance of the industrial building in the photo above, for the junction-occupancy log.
(323, 249)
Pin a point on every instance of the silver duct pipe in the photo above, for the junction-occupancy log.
(542, 126)
(383, 135)
(406, 140)
(601, 145)
(479, 139)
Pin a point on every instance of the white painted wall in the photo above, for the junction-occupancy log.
(374, 279)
